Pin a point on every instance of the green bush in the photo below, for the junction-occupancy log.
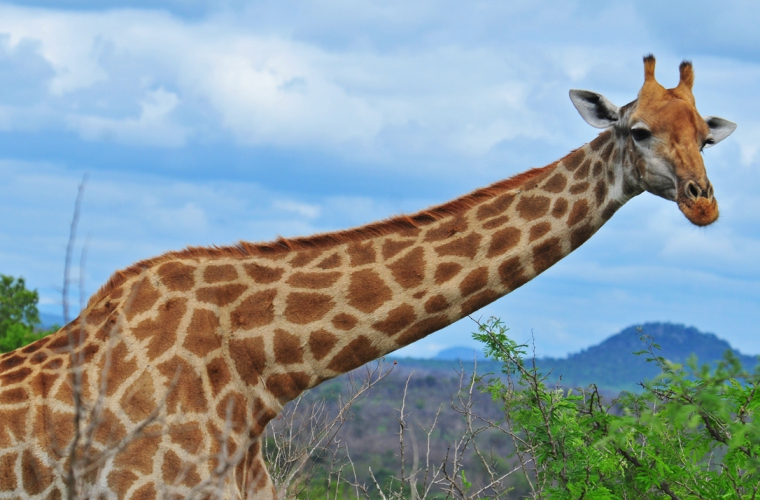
(19, 318)
(692, 432)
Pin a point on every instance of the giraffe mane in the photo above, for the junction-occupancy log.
(329, 239)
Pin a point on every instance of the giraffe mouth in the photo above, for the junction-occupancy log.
(697, 204)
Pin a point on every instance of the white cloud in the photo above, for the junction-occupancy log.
(153, 127)
(304, 209)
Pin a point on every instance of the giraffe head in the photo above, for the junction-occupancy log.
(661, 137)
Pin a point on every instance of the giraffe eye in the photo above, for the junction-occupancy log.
(640, 134)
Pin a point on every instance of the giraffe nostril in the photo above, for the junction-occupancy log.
(709, 193)
(692, 190)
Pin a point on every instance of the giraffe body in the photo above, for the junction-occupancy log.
(216, 340)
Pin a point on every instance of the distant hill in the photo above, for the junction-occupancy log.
(611, 364)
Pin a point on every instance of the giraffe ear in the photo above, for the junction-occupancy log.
(595, 108)
(719, 129)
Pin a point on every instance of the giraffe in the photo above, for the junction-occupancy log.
(216, 340)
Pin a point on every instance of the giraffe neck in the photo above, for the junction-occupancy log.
(484, 250)
(297, 312)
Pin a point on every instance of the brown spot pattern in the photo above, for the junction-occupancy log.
(579, 188)
(600, 140)
(177, 276)
(121, 368)
(361, 253)
(173, 471)
(287, 347)
(436, 303)
(546, 254)
(512, 273)
(474, 281)
(578, 213)
(583, 171)
(254, 311)
(539, 230)
(607, 153)
(600, 192)
(39, 357)
(303, 308)
(330, 262)
(13, 427)
(141, 298)
(12, 362)
(110, 430)
(313, 280)
(219, 375)
(321, 343)
(13, 396)
(611, 176)
(494, 223)
(139, 399)
(445, 271)
(466, 246)
(249, 358)
(423, 328)
(217, 274)
(503, 240)
(574, 159)
(120, 480)
(187, 395)
(42, 383)
(7, 474)
(447, 229)
(560, 208)
(286, 386)
(234, 402)
(204, 334)
(162, 330)
(580, 235)
(344, 321)
(533, 207)
(496, 207)
(409, 270)
(479, 300)
(303, 257)
(220, 295)
(356, 353)
(35, 475)
(367, 291)
(15, 376)
(555, 184)
(398, 319)
(263, 274)
(597, 171)
(391, 247)
(145, 492)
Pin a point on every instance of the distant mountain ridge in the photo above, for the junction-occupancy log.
(613, 365)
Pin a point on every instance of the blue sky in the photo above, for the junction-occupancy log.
(205, 122)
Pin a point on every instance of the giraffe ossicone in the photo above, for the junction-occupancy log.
(211, 342)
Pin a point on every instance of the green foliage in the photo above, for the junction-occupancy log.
(692, 432)
(19, 318)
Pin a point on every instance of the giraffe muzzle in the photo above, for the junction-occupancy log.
(698, 204)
